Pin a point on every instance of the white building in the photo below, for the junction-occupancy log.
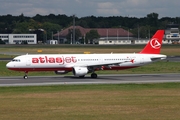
(172, 35)
(115, 40)
(19, 38)
(124, 41)
(52, 42)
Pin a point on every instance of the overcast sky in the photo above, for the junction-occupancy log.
(83, 8)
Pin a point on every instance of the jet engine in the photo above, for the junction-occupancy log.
(80, 71)
(60, 72)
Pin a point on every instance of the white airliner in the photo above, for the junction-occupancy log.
(82, 64)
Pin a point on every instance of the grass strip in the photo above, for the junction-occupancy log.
(100, 102)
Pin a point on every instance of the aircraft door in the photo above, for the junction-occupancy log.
(28, 61)
(101, 60)
(141, 59)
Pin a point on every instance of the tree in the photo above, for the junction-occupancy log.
(152, 19)
(52, 23)
(50, 28)
(91, 36)
(21, 27)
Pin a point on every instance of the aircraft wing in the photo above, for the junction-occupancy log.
(100, 65)
(117, 63)
(108, 65)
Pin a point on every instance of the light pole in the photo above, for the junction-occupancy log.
(138, 32)
(52, 35)
(128, 34)
(73, 29)
(149, 33)
(58, 36)
(107, 32)
(71, 37)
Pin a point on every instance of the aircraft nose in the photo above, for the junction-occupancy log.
(9, 65)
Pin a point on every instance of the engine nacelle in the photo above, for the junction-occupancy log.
(60, 72)
(80, 71)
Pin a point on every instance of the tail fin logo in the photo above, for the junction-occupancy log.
(155, 44)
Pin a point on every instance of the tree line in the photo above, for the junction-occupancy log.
(45, 26)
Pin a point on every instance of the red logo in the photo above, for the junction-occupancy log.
(60, 60)
(132, 60)
(155, 43)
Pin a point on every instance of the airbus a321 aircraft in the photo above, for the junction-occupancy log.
(82, 64)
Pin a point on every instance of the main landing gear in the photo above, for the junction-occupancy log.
(93, 75)
(26, 76)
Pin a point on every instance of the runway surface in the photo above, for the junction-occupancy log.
(102, 79)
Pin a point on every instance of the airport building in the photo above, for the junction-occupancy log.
(172, 35)
(107, 35)
(115, 36)
(19, 38)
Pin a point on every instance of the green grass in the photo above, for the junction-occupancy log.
(89, 102)
(72, 49)
(7, 56)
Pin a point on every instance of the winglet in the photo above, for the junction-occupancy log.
(154, 45)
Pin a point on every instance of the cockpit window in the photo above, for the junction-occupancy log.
(16, 60)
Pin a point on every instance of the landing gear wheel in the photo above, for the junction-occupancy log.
(25, 77)
(93, 75)
(82, 76)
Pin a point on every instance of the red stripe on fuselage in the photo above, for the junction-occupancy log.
(40, 69)
(68, 69)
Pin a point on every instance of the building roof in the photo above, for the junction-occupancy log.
(103, 32)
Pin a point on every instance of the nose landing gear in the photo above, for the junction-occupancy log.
(26, 76)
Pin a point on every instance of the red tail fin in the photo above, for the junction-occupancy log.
(154, 45)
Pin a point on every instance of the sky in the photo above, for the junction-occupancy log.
(84, 8)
